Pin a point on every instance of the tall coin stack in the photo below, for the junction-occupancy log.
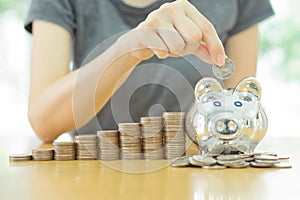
(152, 139)
(108, 145)
(130, 141)
(64, 150)
(86, 147)
(174, 134)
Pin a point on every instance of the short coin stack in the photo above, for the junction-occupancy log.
(174, 134)
(86, 147)
(152, 139)
(42, 154)
(259, 160)
(20, 157)
(108, 145)
(64, 150)
(130, 141)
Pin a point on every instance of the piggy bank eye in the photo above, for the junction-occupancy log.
(238, 104)
(217, 103)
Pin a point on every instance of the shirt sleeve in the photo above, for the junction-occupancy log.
(60, 12)
(251, 12)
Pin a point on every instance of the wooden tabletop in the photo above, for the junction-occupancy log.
(156, 180)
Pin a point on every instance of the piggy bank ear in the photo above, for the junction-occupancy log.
(208, 89)
(249, 85)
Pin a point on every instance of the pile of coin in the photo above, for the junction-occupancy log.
(64, 150)
(130, 141)
(42, 154)
(108, 145)
(259, 160)
(152, 138)
(174, 134)
(86, 147)
(20, 157)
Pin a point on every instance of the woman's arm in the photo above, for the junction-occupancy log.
(61, 101)
(243, 48)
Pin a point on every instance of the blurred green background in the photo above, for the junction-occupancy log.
(278, 67)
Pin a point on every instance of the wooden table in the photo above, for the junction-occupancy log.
(95, 180)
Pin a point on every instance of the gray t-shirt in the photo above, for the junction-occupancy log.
(155, 85)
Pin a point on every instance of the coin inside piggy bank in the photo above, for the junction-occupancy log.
(225, 121)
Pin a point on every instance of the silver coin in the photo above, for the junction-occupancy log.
(229, 157)
(204, 160)
(214, 167)
(194, 163)
(181, 162)
(225, 71)
(266, 157)
(242, 164)
(260, 165)
(282, 165)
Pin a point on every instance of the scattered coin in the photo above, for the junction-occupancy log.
(236, 161)
(214, 167)
(204, 160)
(229, 157)
(225, 71)
(261, 165)
(283, 165)
(181, 162)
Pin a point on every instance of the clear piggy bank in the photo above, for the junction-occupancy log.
(227, 121)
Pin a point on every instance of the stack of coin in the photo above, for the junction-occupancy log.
(130, 141)
(152, 138)
(20, 157)
(86, 147)
(42, 154)
(174, 134)
(64, 150)
(108, 145)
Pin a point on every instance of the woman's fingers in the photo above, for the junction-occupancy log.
(178, 29)
(209, 34)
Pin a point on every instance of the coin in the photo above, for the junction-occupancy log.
(86, 147)
(181, 162)
(130, 141)
(214, 167)
(194, 163)
(229, 157)
(204, 160)
(282, 165)
(225, 71)
(174, 134)
(42, 154)
(64, 151)
(108, 145)
(261, 165)
(20, 157)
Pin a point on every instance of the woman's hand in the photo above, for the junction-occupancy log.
(175, 29)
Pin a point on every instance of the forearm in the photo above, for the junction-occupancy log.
(74, 99)
(243, 50)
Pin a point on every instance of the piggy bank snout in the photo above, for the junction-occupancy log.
(226, 126)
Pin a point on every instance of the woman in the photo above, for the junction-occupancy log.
(148, 44)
